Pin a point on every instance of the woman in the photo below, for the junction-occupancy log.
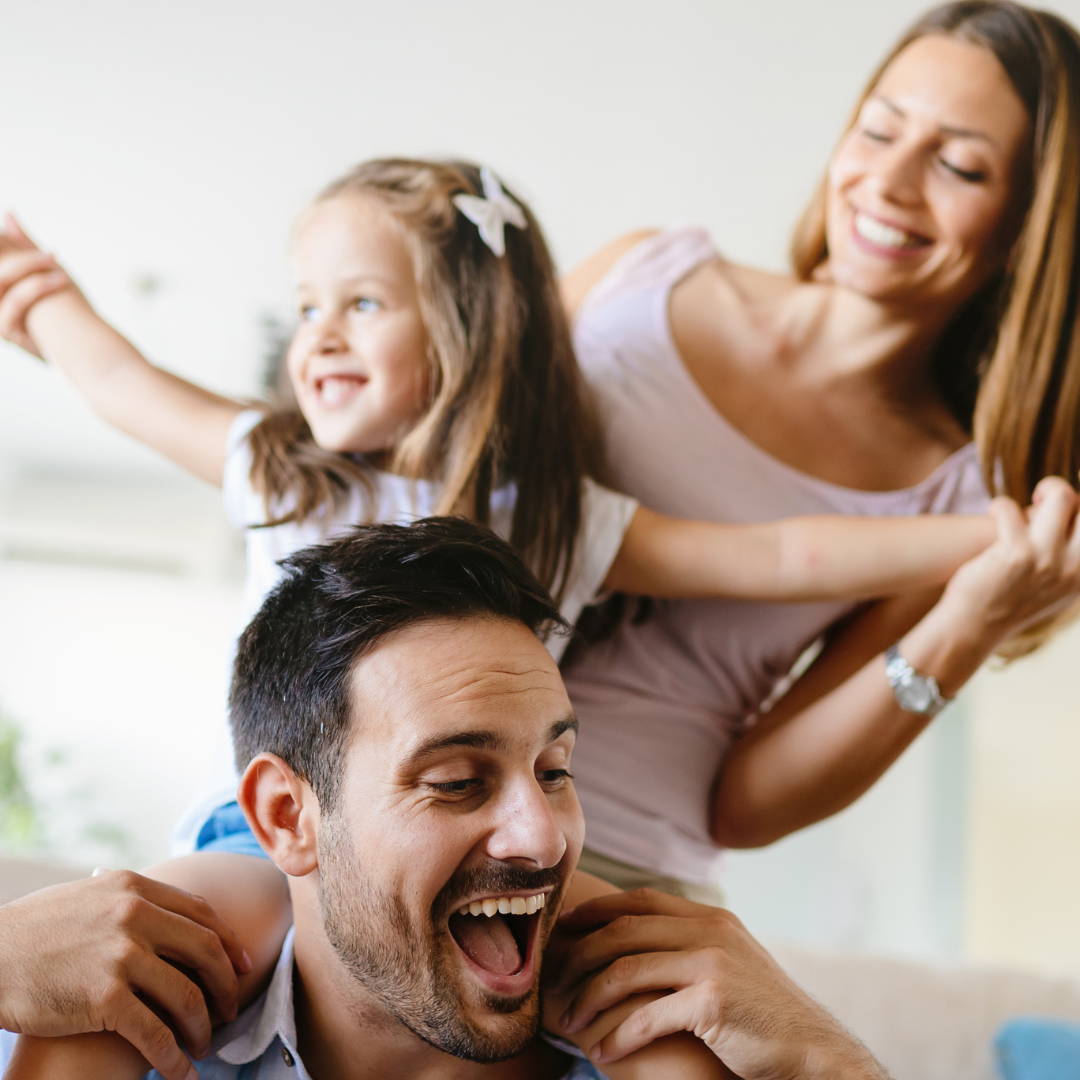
(934, 297)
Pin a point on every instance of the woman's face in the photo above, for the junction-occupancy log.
(924, 189)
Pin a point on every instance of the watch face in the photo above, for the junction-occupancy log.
(915, 696)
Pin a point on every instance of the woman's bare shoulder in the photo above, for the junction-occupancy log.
(576, 285)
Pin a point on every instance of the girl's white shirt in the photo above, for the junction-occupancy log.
(393, 499)
(660, 702)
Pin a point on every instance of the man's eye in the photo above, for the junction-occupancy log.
(972, 176)
(457, 787)
(366, 303)
(555, 777)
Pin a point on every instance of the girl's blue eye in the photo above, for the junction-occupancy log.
(309, 313)
(366, 303)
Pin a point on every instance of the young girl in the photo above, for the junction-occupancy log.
(432, 372)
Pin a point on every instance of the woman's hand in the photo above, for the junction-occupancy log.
(1031, 571)
(77, 958)
(27, 275)
(727, 990)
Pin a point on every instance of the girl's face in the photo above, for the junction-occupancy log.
(358, 362)
(923, 190)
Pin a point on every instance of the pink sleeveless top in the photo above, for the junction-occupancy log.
(660, 702)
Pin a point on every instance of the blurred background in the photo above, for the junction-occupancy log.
(162, 150)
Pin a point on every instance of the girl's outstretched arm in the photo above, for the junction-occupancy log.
(797, 559)
(42, 311)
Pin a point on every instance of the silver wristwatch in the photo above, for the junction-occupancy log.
(915, 693)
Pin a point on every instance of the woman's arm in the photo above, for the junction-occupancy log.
(42, 310)
(798, 559)
(840, 727)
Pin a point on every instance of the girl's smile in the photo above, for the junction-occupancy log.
(358, 361)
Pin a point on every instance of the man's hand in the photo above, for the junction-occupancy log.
(727, 990)
(81, 957)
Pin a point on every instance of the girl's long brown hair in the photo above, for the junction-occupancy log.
(1009, 364)
(507, 400)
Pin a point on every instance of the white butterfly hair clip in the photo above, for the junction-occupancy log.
(492, 213)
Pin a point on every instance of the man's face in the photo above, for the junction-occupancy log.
(455, 798)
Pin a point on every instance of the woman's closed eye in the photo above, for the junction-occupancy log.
(972, 176)
(876, 136)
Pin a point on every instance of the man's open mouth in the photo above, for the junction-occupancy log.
(498, 935)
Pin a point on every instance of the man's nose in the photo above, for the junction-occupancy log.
(527, 829)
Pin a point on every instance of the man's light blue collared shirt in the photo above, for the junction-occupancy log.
(260, 1044)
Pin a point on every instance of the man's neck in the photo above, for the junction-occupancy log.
(341, 1037)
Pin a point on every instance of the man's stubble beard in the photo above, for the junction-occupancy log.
(405, 966)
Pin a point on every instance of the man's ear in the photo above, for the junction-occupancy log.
(283, 813)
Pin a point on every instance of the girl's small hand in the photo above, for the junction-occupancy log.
(727, 990)
(27, 275)
(1031, 570)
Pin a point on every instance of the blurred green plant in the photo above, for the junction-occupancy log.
(20, 825)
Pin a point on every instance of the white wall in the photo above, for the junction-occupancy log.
(172, 143)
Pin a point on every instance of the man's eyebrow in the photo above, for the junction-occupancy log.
(561, 727)
(478, 740)
(946, 129)
(471, 740)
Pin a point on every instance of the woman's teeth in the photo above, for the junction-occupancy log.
(505, 905)
(884, 236)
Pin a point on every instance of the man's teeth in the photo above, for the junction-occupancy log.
(506, 905)
(883, 235)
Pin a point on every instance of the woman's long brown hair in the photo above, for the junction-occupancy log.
(1009, 364)
(507, 400)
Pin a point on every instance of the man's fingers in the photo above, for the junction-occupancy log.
(629, 975)
(181, 1000)
(153, 1039)
(177, 938)
(605, 909)
(665, 1016)
(199, 911)
(631, 935)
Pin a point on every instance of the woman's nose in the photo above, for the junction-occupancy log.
(896, 175)
(529, 829)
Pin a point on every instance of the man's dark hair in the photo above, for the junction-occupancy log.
(290, 688)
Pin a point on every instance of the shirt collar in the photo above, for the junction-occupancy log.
(249, 1036)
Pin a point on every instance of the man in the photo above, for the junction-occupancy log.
(406, 741)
